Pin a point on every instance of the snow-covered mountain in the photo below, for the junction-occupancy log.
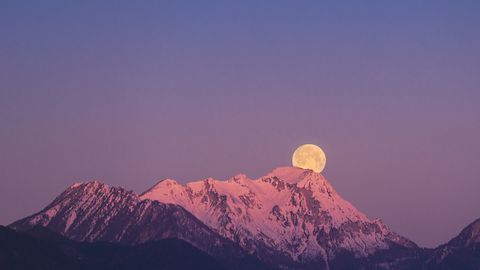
(291, 210)
(92, 211)
(290, 218)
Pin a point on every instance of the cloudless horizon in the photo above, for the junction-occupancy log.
(130, 93)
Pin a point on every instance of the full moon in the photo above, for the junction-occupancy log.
(309, 156)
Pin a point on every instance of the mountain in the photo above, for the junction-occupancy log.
(41, 249)
(462, 252)
(291, 219)
(290, 211)
(93, 211)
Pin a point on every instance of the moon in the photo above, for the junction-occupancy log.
(309, 156)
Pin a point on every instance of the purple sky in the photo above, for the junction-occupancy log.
(131, 93)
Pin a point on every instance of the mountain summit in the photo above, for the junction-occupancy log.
(291, 211)
(289, 218)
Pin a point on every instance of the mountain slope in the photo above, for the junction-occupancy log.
(462, 252)
(40, 249)
(93, 211)
(21, 251)
(291, 218)
(292, 211)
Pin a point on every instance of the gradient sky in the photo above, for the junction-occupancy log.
(130, 93)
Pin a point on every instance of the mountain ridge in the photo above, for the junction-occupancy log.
(288, 219)
(92, 212)
(288, 205)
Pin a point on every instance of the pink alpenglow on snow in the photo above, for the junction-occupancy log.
(288, 209)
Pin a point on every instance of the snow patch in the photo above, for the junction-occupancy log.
(285, 210)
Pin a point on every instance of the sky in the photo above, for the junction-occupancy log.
(130, 93)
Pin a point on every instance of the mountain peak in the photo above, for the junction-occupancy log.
(291, 216)
(165, 182)
(290, 213)
(240, 176)
(292, 175)
(91, 183)
(291, 210)
(468, 236)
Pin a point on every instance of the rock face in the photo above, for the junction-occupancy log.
(289, 211)
(290, 218)
(93, 211)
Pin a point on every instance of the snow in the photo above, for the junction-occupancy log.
(289, 174)
(71, 218)
(45, 217)
(286, 210)
(266, 209)
(77, 184)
